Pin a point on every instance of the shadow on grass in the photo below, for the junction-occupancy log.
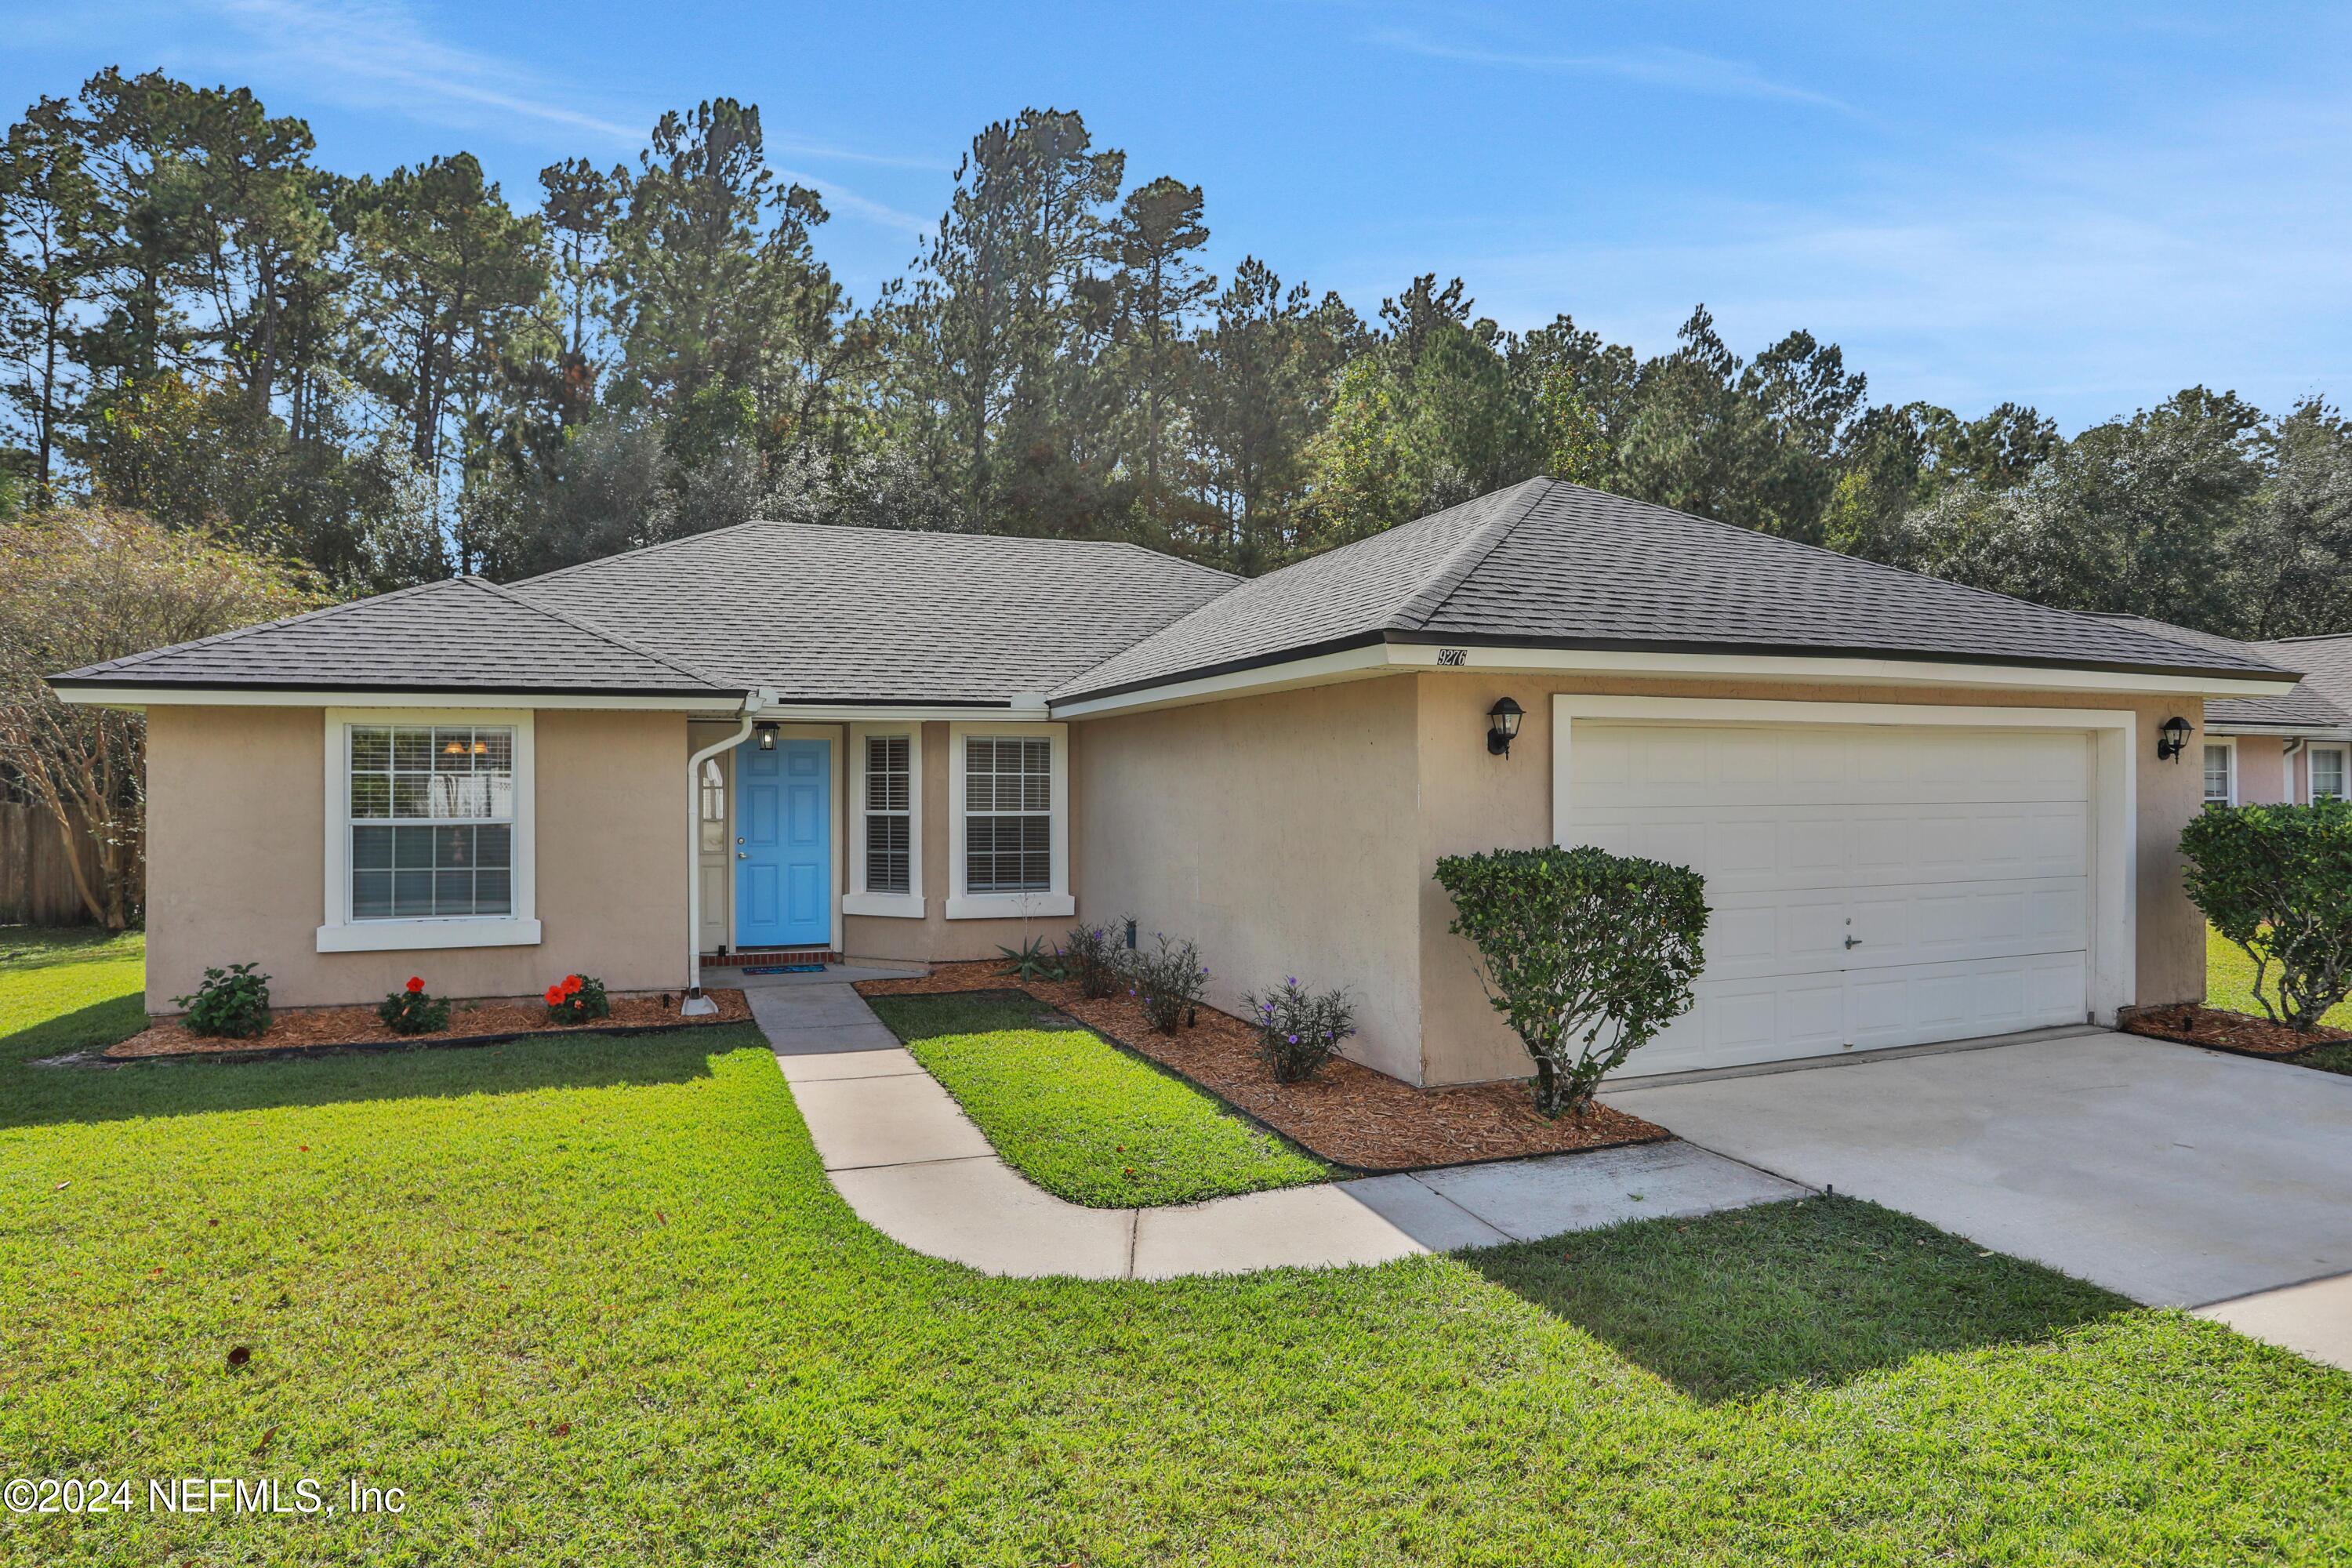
(53, 1096)
(1810, 1293)
(929, 1015)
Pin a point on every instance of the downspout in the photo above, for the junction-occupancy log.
(696, 1004)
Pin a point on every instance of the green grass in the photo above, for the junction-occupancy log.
(2229, 983)
(592, 1301)
(1081, 1117)
(65, 991)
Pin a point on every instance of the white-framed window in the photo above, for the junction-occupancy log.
(428, 839)
(2329, 774)
(1009, 824)
(886, 828)
(2221, 773)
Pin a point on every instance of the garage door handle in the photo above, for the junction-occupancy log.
(1854, 942)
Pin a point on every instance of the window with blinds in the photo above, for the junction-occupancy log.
(431, 821)
(889, 822)
(1008, 804)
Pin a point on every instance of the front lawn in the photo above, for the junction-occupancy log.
(2229, 983)
(1081, 1117)
(594, 1301)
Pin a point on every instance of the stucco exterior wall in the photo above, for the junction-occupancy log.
(2266, 774)
(1472, 801)
(237, 844)
(1281, 833)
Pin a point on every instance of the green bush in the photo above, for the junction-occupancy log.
(2277, 880)
(231, 1003)
(1033, 959)
(1091, 956)
(1167, 982)
(1299, 1030)
(1587, 954)
(411, 1010)
(577, 999)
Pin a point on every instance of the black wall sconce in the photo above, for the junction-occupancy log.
(2172, 739)
(1502, 725)
(767, 737)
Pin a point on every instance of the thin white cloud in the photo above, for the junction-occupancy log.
(1681, 70)
(380, 50)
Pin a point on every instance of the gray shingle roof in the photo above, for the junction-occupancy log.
(1547, 564)
(2304, 708)
(456, 635)
(855, 615)
(2327, 664)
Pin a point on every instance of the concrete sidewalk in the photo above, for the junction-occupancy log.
(903, 1155)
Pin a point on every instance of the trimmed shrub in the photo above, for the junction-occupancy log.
(1091, 956)
(1167, 982)
(577, 999)
(1586, 954)
(2277, 880)
(231, 1003)
(412, 1011)
(1298, 1030)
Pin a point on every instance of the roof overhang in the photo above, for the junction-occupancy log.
(1365, 659)
(2279, 732)
(98, 695)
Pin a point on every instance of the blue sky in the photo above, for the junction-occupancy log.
(2084, 207)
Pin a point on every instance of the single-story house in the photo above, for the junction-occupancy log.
(1923, 812)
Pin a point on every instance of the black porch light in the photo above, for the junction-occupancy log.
(1502, 724)
(2172, 739)
(767, 737)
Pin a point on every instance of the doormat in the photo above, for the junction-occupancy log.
(782, 969)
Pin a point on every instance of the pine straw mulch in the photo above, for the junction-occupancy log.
(299, 1031)
(2219, 1030)
(1348, 1114)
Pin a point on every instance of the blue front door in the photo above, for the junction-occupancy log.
(784, 845)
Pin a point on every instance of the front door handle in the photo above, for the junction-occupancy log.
(741, 856)
(1853, 942)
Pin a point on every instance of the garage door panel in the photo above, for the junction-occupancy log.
(1956, 860)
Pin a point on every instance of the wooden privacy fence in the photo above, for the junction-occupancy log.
(36, 884)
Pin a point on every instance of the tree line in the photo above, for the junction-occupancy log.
(391, 378)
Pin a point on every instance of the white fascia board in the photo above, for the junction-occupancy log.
(912, 713)
(2281, 732)
(246, 697)
(1381, 658)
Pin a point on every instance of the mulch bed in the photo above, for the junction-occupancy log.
(298, 1031)
(2218, 1030)
(1348, 1114)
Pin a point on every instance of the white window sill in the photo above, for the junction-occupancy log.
(896, 906)
(396, 936)
(1009, 906)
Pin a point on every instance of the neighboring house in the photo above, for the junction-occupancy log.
(1923, 812)
(2271, 750)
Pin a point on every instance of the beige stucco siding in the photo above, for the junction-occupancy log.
(1472, 801)
(236, 844)
(1281, 833)
(2264, 776)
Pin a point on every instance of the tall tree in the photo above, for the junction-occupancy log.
(1152, 247)
(46, 200)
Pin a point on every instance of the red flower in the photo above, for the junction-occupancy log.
(570, 984)
(415, 985)
(555, 995)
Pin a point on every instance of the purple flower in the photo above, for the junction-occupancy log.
(1294, 1039)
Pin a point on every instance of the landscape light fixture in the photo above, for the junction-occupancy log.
(1502, 725)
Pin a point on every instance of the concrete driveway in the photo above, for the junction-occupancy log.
(2175, 1176)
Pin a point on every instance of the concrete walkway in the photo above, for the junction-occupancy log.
(901, 1152)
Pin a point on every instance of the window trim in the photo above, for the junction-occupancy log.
(338, 932)
(2230, 744)
(2310, 779)
(1054, 899)
(857, 901)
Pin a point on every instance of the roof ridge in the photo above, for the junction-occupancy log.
(615, 639)
(130, 659)
(2301, 636)
(1468, 556)
(645, 550)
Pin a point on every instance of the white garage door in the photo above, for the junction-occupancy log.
(1871, 887)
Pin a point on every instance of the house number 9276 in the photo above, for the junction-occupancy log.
(1453, 656)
